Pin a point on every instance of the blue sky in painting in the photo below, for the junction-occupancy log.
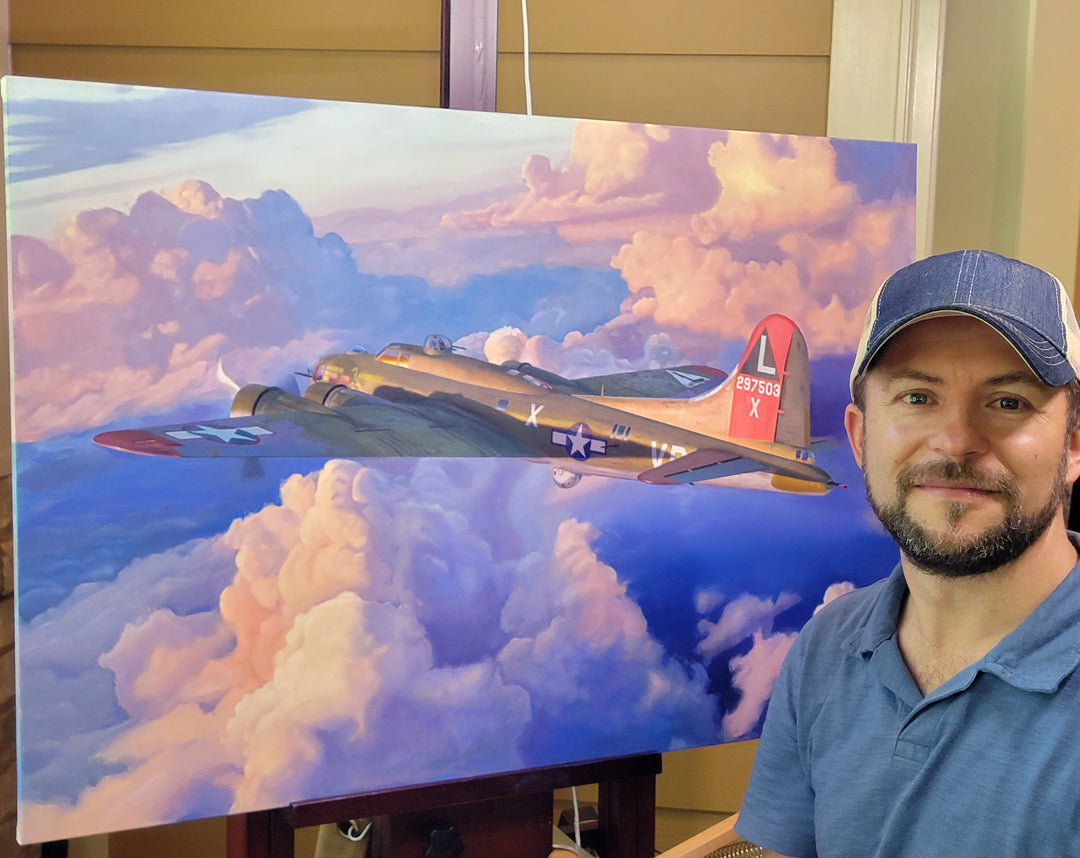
(263, 233)
(116, 129)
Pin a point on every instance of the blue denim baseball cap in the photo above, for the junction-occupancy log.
(1025, 304)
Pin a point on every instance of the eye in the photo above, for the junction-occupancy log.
(1009, 403)
(915, 398)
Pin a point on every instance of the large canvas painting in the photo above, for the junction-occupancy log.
(362, 446)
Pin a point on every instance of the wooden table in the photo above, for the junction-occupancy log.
(497, 816)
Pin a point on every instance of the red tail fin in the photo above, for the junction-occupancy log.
(771, 387)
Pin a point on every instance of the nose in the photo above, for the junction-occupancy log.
(959, 433)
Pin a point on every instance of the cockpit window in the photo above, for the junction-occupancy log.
(438, 344)
(532, 379)
(392, 354)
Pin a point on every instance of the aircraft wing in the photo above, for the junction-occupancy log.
(369, 426)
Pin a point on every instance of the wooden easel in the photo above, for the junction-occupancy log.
(497, 816)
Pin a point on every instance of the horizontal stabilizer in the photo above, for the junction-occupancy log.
(672, 383)
(699, 466)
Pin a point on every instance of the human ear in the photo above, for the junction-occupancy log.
(853, 423)
(1072, 455)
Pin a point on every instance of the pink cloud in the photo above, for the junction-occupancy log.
(773, 184)
(822, 280)
(68, 395)
(619, 179)
(766, 225)
(329, 658)
(742, 617)
(755, 674)
(131, 312)
(159, 771)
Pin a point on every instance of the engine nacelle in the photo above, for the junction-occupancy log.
(332, 395)
(255, 399)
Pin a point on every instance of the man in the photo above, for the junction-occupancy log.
(937, 712)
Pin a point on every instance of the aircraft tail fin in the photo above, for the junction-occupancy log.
(766, 398)
(770, 388)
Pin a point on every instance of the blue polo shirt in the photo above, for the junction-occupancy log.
(854, 761)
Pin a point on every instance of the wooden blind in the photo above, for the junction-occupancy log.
(759, 65)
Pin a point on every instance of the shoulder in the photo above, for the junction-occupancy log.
(854, 613)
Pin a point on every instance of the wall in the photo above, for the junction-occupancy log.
(1050, 204)
(713, 63)
(985, 88)
(718, 63)
(981, 144)
(339, 49)
(1009, 155)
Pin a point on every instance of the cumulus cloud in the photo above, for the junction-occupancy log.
(618, 179)
(130, 312)
(742, 617)
(773, 184)
(755, 674)
(365, 631)
(833, 591)
(618, 346)
(822, 280)
(719, 229)
(746, 622)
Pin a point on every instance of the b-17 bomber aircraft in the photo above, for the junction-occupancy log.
(681, 425)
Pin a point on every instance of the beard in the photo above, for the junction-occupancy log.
(955, 556)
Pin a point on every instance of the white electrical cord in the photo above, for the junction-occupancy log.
(576, 850)
(577, 812)
(525, 54)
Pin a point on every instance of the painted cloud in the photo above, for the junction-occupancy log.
(352, 642)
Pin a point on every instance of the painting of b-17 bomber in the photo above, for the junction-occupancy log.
(358, 447)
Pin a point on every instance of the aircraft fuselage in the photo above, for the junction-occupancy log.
(548, 417)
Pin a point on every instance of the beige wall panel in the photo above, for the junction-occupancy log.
(1050, 205)
(401, 25)
(202, 838)
(346, 76)
(738, 27)
(981, 132)
(182, 840)
(780, 94)
(711, 778)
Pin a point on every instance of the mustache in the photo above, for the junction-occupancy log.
(961, 473)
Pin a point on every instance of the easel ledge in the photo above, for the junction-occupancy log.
(627, 808)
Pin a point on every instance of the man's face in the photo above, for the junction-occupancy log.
(966, 454)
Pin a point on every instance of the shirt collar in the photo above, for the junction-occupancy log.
(1044, 650)
(879, 625)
